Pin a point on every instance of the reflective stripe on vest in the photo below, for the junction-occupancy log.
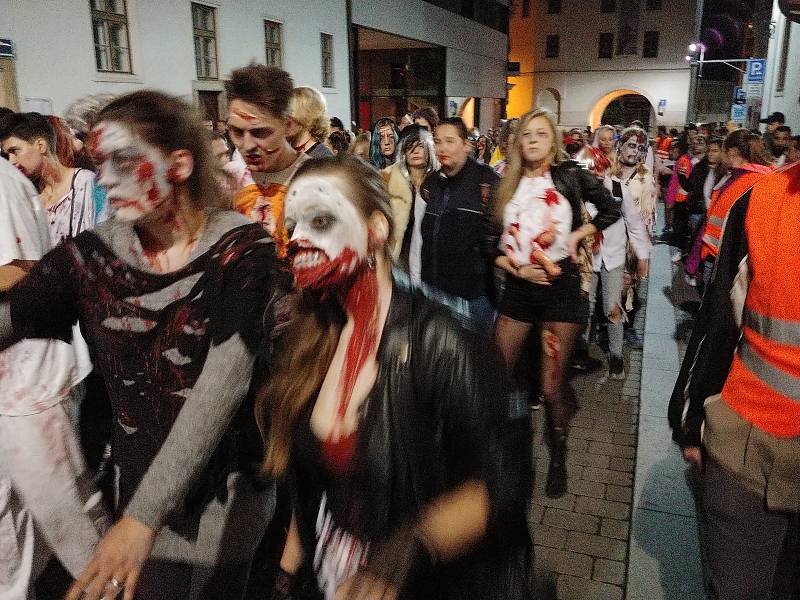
(778, 380)
(717, 221)
(777, 330)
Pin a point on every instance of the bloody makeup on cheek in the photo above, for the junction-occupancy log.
(329, 237)
(136, 174)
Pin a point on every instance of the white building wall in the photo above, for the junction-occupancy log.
(582, 79)
(55, 48)
(788, 100)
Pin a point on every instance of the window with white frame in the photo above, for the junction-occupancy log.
(112, 51)
(205, 40)
(273, 42)
(326, 46)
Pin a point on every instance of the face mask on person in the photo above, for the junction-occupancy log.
(136, 174)
(328, 237)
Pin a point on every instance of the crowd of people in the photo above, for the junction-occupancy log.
(321, 341)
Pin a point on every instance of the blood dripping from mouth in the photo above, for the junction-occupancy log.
(361, 303)
(329, 273)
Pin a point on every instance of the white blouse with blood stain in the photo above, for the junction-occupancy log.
(34, 374)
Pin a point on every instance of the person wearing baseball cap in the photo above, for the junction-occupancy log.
(773, 121)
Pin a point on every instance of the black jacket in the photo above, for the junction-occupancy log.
(696, 202)
(714, 338)
(453, 230)
(437, 416)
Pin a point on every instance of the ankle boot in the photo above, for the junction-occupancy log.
(557, 471)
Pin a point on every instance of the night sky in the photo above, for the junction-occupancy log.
(724, 31)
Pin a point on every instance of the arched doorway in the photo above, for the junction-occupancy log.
(550, 99)
(622, 106)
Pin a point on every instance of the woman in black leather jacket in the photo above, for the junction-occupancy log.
(540, 204)
(408, 480)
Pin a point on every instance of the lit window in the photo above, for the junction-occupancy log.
(273, 41)
(326, 46)
(205, 41)
(110, 29)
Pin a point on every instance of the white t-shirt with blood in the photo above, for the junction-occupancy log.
(34, 374)
(535, 207)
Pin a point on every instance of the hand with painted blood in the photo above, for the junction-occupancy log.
(138, 176)
(328, 238)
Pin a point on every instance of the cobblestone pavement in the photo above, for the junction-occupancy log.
(581, 539)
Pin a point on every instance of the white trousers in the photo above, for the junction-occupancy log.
(47, 500)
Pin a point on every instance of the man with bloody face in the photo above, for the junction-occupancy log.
(373, 515)
(258, 125)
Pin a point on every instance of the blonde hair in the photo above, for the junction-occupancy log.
(310, 110)
(515, 162)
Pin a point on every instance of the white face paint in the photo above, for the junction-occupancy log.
(329, 238)
(135, 174)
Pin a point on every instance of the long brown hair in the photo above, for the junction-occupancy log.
(310, 342)
(170, 124)
(749, 145)
(516, 167)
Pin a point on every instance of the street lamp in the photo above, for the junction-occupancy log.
(695, 61)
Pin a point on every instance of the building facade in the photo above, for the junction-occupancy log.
(782, 81)
(52, 53)
(587, 54)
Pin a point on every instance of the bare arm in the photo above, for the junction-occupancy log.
(12, 272)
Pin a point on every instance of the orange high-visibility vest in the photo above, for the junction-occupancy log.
(722, 200)
(684, 167)
(763, 385)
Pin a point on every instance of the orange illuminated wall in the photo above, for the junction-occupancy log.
(521, 49)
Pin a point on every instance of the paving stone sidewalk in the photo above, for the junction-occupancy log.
(581, 539)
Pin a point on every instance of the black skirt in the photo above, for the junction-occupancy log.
(563, 301)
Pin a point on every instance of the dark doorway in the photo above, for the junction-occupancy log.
(208, 103)
(623, 110)
(396, 75)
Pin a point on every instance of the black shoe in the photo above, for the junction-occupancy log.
(583, 363)
(556, 485)
(616, 367)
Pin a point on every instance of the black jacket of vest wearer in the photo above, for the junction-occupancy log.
(454, 258)
(696, 202)
(434, 421)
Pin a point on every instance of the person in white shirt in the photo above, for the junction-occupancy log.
(632, 183)
(44, 483)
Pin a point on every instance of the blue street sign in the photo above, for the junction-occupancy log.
(738, 113)
(756, 70)
(6, 48)
(739, 95)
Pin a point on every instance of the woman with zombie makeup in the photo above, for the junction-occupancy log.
(416, 160)
(408, 480)
(383, 145)
(171, 296)
(538, 173)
